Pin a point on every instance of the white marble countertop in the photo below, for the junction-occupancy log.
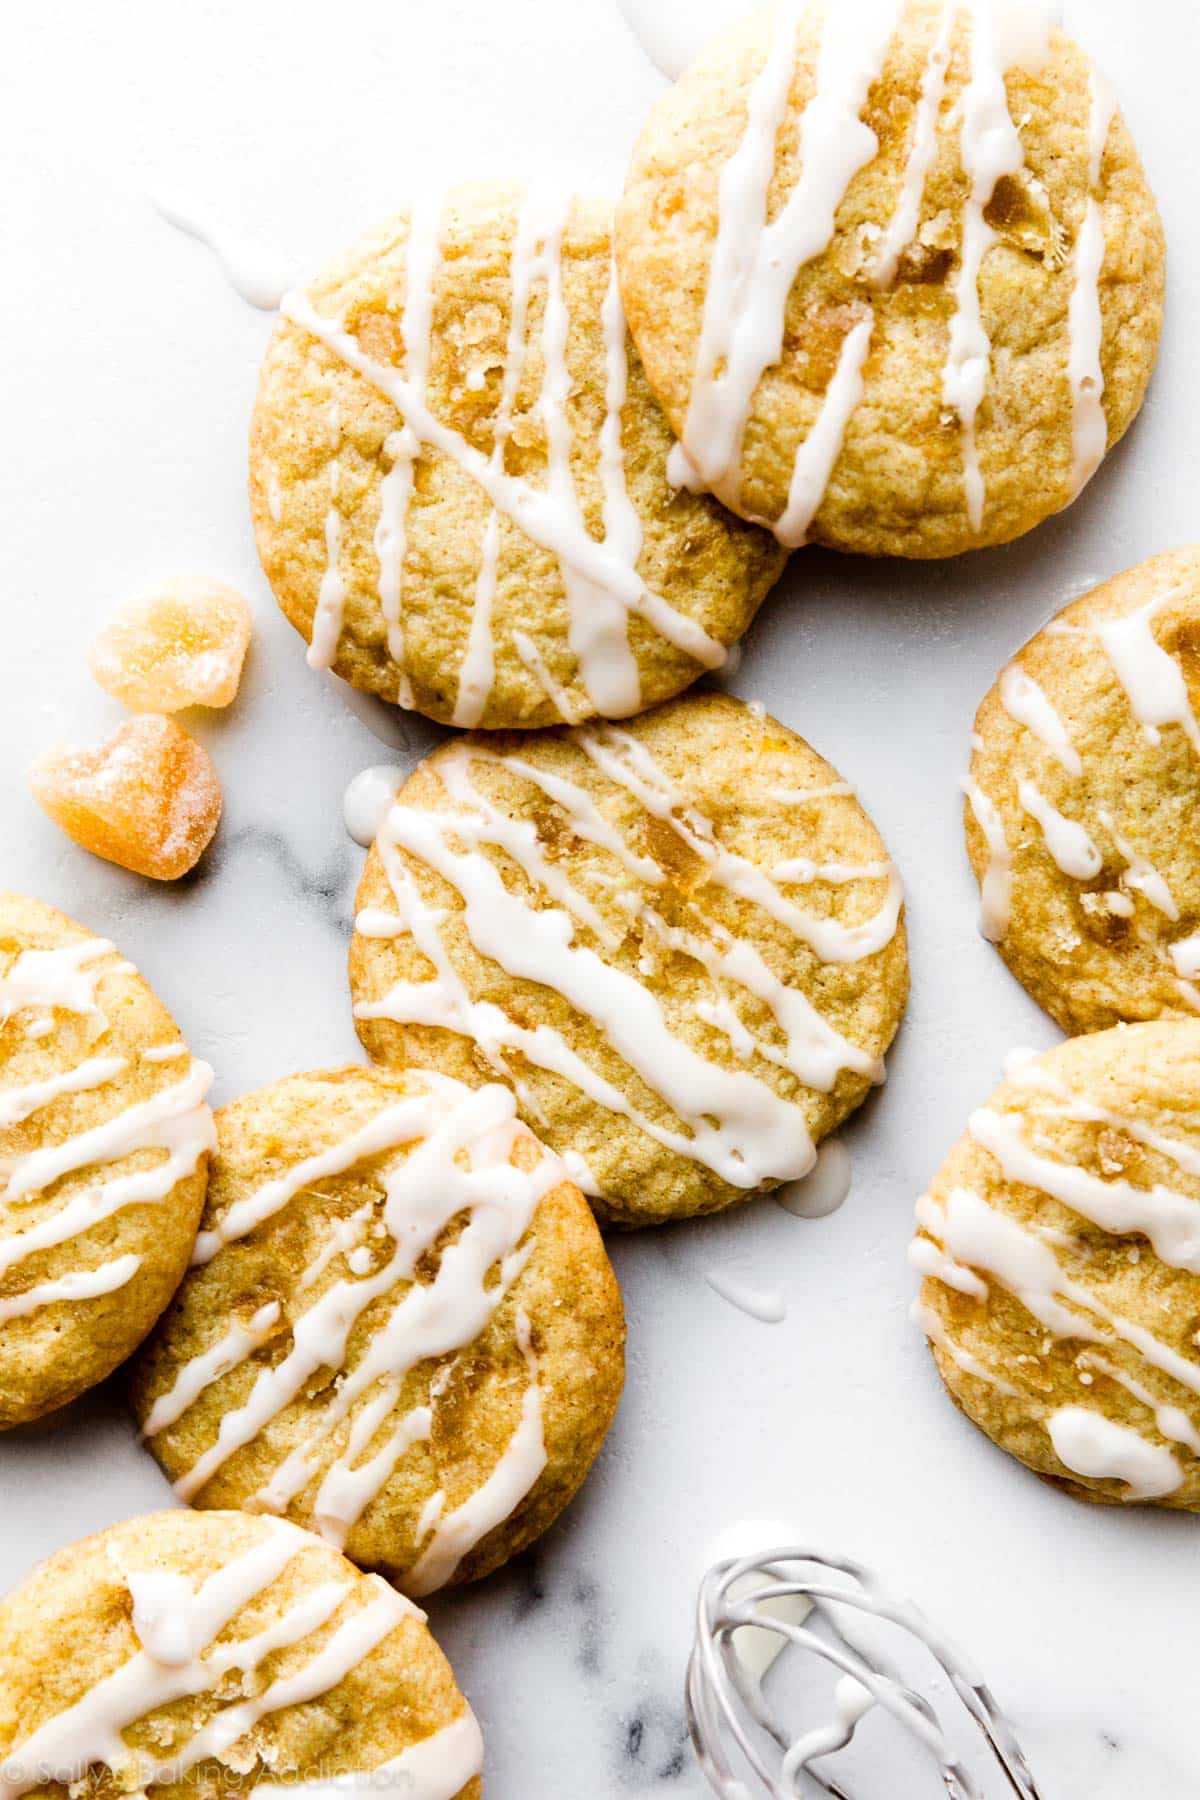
(130, 367)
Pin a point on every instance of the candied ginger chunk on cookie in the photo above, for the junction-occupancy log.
(1082, 797)
(232, 1654)
(149, 798)
(679, 941)
(893, 270)
(105, 1135)
(1060, 1250)
(182, 645)
(458, 477)
(400, 1327)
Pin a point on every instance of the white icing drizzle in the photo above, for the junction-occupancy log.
(1171, 1421)
(996, 887)
(902, 226)
(1034, 1075)
(822, 1191)
(991, 149)
(181, 1659)
(756, 1134)
(400, 1123)
(331, 595)
(437, 1768)
(931, 1324)
(1070, 846)
(766, 1305)
(175, 1120)
(736, 1123)
(367, 799)
(459, 1165)
(229, 1353)
(1090, 1444)
(597, 621)
(1151, 677)
(1140, 873)
(80, 1284)
(63, 978)
(1170, 1220)
(1089, 428)
(478, 669)
(1185, 956)
(802, 869)
(971, 1232)
(755, 263)
(19, 1104)
(602, 584)
(256, 275)
(524, 1458)
(626, 761)
(571, 711)
(422, 257)
(1026, 702)
(816, 456)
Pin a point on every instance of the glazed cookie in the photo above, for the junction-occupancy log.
(1061, 1248)
(224, 1655)
(400, 1329)
(680, 943)
(1082, 801)
(894, 272)
(104, 1142)
(458, 477)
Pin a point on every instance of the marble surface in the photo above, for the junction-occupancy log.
(129, 371)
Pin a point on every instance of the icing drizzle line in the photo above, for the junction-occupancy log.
(459, 1164)
(731, 1120)
(965, 1242)
(1155, 687)
(603, 588)
(755, 261)
(175, 1120)
(180, 1658)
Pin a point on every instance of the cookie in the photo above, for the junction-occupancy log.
(458, 477)
(1082, 800)
(400, 1328)
(894, 272)
(222, 1654)
(1060, 1244)
(679, 942)
(104, 1145)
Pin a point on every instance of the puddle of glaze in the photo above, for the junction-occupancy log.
(824, 1189)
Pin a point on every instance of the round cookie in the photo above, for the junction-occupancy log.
(221, 1654)
(400, 1328)
(680, 942)
(894, 272)
(458, 477)
(1060, 1243)
(104, 1142)
(1082, 800)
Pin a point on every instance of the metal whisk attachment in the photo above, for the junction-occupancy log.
(840, 1613)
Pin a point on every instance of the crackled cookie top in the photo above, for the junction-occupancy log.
(1082, 801)
(679, 942)
(1060, 1243)
(104, 1142)
(894, 272)
(400, 1328)
(220, 1653)
(458, 477)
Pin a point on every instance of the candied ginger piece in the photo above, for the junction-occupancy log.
(148, 798)
(183, 645)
